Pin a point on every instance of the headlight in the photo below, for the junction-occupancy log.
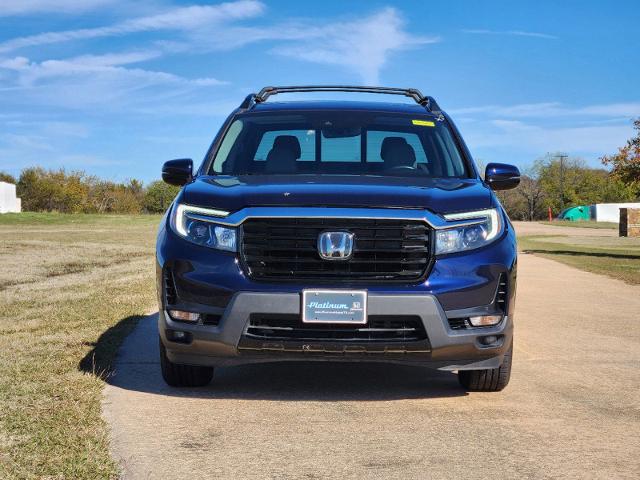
(470, 236)
(198, 225)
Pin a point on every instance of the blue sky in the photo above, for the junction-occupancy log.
(116, 87)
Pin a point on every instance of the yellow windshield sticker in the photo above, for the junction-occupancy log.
(423, 123)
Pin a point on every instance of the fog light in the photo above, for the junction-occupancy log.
(491, 340)
(178, 336)
(485, 320)
(184, 316)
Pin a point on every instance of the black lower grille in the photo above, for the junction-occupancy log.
(502, 293)
(169, 286)
(384, 250)
(458, 323)
(378, 328)
(499, 302)
(211, 319)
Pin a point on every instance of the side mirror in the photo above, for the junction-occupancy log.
(500, 176)
(178, 172)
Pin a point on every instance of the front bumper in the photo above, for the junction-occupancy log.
(214, 282)
(226, 343)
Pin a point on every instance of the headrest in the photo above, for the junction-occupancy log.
(288, 142)
(396, 152)
(390, 144)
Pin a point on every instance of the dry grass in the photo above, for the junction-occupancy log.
(71, 287)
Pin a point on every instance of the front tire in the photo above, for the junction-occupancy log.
(178, 375)
(489, 380)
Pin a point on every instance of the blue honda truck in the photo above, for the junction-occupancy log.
(356, 231)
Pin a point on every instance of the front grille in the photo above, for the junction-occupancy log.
(379, 328)
(384, 250)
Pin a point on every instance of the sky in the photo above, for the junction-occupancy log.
(115, 87)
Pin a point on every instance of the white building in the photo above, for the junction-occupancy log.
(609, 212)
(8, 200)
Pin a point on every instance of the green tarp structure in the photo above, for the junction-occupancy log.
(573, 214)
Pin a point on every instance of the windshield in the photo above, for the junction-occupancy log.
(339, 142)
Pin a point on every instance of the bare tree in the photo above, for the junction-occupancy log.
(531, 191)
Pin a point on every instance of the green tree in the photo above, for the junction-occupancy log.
(577, 184)
(615, 190)
(5, 177)
(159, 196)
(626, 163)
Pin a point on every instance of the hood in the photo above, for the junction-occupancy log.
(438, 195)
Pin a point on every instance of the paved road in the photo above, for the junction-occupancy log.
(572, 409)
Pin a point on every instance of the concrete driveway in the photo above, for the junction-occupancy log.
(535, 228)
(572, 409)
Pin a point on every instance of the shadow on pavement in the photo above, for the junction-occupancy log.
(100, 360)
(137, 368)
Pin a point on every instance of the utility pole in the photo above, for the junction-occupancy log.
(562, 158)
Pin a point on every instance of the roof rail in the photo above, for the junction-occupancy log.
(248, 102)
(266, 92)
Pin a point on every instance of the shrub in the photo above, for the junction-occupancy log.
(75, 192)
(159, 196)
(5, 177)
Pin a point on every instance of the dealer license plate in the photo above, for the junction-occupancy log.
(334, 306)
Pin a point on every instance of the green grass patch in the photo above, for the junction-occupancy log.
(583, 224)
(71, 288)
(611, 256)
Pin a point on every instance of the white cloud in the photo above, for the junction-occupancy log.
(517, 33)
(530, 130)
(30, 72)
(28, 141)
(97, 80)
(48, 143)
(552, 110)
(89, 65)
(27, 7)
(628, 109)
(176, 19)
(50, 127)
(362, 45)
(593, 140)
(106, 89)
